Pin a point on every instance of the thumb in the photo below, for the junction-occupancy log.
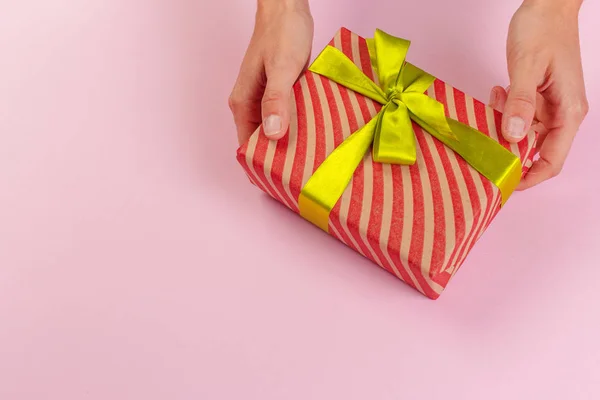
(276, 100)
(519, 110)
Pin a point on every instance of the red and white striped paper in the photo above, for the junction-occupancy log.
(417, 222)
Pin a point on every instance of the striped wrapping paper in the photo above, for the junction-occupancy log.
(417, 222)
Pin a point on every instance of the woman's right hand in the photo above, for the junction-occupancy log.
(278, 53)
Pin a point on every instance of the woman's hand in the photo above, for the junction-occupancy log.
(547, 90)
(278, 53)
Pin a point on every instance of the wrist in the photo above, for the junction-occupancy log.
(276, 6)
(556, 6)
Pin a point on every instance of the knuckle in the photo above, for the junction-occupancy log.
(234, 102)
(553, 169)
(231, 103)
(577, 109)
(286, 63)
(272, 96)
(523, 99)
(584, 107)
(281, 60)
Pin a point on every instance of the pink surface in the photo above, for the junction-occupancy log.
(137, 262)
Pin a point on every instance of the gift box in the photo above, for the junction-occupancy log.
(398, 165)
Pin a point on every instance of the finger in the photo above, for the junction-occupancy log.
(555, 147)
(246, 124)
(541, 113)
(520, 107)
(542, 133)
(543, 110)
(246, 96)
(281, 74)
(498, 98)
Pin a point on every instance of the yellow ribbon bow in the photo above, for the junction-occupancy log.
(402, 94)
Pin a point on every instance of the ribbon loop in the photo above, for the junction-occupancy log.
(334, 64)
(390, 53)
(390, 133)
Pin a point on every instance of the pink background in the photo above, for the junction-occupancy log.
(137, 262)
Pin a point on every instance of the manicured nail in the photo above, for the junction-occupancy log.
(272, 125)
(516, 127)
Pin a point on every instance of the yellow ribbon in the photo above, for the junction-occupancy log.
(390, 133)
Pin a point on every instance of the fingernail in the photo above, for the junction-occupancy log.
(272, 125)
(493, 97)
(516, 127)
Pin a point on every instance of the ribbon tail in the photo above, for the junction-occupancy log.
(325, 187)
(428, 113)
(415, 80)
(395, 141)
(486, 156)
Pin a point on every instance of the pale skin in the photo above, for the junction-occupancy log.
(546, 92)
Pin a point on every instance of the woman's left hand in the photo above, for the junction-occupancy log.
(547, 91)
